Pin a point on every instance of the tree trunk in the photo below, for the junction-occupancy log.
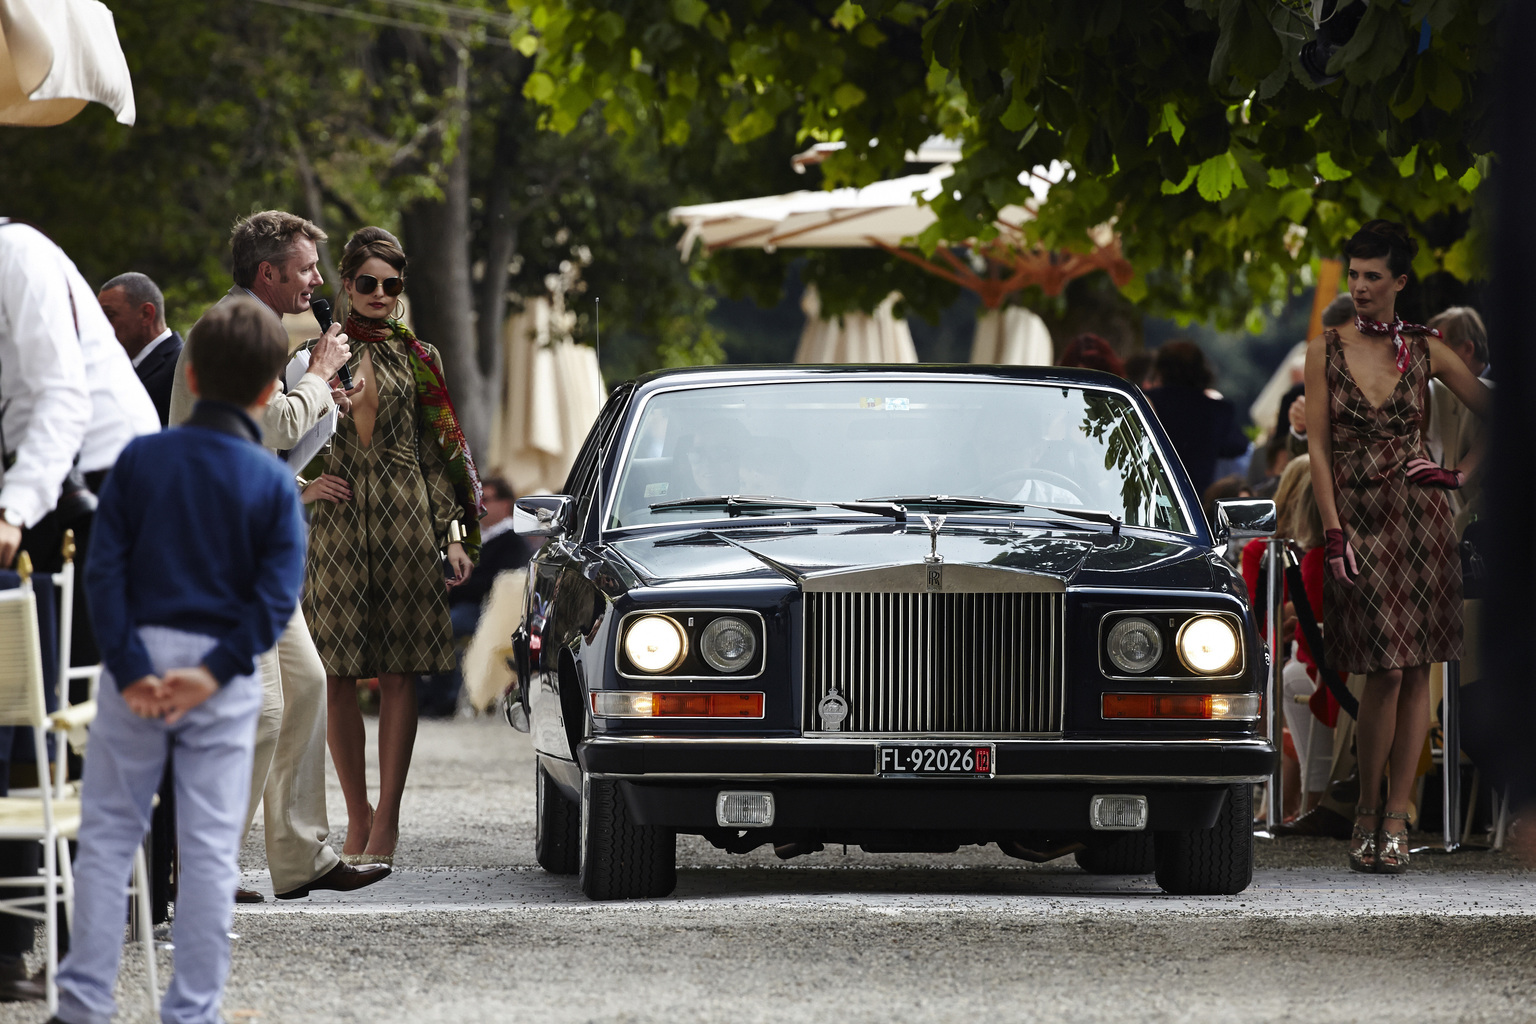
(437, 237)
(315, 203)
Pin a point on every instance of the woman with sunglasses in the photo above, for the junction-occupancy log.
(394, 492)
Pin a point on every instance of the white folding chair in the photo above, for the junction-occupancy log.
(65, 581)
(50, 817)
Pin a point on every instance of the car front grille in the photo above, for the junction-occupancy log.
(935, 663)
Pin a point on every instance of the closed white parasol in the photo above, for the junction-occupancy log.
(55, 57)
(553, 394)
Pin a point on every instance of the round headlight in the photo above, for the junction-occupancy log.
(654, 643)
(1135, 645)
(727, 644)
(1208, 644)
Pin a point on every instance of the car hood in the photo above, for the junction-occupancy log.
(1056, 557)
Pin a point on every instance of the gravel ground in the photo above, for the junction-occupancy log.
(469, 929)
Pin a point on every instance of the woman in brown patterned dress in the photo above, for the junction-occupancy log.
(1394, 573)
(388, 496)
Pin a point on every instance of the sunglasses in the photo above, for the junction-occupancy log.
(367, 284)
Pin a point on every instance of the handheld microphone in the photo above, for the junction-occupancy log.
(322, 310)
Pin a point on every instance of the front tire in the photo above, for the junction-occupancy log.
(1211, 861)
(557, 829)
(1131, 853)
(621, 859)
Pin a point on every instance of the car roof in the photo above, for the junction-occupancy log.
(745, 373)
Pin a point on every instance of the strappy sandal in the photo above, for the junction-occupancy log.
(1362, 857)
(1392, 847)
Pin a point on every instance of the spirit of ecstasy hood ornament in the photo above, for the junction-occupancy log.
(934, 561)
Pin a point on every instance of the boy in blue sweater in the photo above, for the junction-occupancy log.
(196, 563)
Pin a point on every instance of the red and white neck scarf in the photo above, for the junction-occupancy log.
(1396, 329)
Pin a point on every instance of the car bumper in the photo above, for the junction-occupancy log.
(1095, 761)
(828, 789)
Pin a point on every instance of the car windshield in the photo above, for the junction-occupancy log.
(1055, 446)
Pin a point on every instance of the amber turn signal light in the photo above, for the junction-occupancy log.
(642, 704)
(1228, 707)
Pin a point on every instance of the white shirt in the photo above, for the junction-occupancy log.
(147, 349)
(61, 393)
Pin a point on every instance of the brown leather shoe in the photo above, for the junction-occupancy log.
(249, 896)
(341, 878)
(16, 986)
(1319, 821)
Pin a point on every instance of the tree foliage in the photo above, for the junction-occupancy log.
(247, 106)
(1188, 124)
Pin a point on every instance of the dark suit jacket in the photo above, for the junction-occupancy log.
(1202, 429)
(158, 372)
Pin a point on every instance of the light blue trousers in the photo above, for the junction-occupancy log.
(123, 765)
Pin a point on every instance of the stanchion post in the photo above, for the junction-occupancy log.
(1272, 711)
(1450, 765)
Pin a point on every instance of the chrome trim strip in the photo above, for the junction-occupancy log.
(1106, 670)
(847, 740)
(633, 415)
(762, 643)
(1130, 780)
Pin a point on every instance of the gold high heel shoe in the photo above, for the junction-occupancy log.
(355, 859)
(1363, 857)
(1392, 847)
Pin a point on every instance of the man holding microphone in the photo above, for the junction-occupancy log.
(276, 262)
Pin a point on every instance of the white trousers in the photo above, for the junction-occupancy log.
(123, 766)
(1313, 739)
(288, 773)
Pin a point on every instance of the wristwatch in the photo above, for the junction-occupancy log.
(13, 517)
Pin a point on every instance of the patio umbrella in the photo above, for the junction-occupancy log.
(553, 393)
(887, 215)
(876, 337)
(55, 57)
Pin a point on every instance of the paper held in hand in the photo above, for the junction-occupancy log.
(315, 438)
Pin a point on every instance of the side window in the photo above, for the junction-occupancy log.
(582, 481)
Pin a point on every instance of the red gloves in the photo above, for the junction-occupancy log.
(1341, 557)
(1427, 474)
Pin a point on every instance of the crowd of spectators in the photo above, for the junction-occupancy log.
(1228, 456)
(87, 389)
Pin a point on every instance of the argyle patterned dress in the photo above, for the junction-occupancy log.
(1405, 606)
(374, 595)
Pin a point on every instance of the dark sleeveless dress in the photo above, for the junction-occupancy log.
(1405, 607)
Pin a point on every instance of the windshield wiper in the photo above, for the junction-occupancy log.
(979, 503)
(734, 504)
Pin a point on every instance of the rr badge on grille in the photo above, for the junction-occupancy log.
(934, 561)
(832, 709)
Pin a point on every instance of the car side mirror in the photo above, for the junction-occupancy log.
(1245, 519)
(542, 515)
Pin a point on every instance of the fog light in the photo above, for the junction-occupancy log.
(736, 808)
(1115, 813)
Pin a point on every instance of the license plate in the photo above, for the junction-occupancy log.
(936, 760)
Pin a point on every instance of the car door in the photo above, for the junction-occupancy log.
(563, 601)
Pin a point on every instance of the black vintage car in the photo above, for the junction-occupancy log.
(905, 608)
